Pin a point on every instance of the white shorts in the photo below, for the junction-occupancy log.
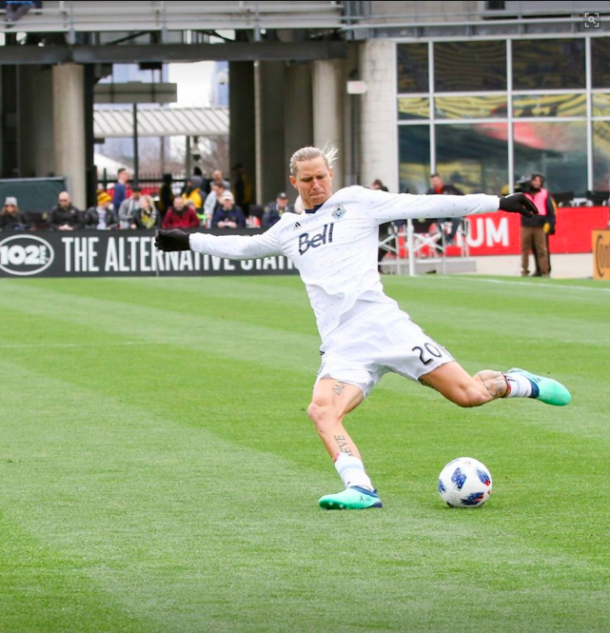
(376, 340)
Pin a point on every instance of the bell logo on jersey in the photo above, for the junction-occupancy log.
(325, 237)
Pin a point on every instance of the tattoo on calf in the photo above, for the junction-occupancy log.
(343, 445)
(339, 387)
(497, 387)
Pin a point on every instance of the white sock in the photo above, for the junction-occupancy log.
(520, 386)
(352, 473)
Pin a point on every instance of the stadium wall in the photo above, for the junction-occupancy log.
(118, 254)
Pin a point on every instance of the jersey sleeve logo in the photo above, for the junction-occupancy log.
(339, 212)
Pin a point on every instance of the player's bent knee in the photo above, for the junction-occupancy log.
(317, 411)
(321, 413)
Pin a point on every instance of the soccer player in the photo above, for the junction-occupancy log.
(364, 333)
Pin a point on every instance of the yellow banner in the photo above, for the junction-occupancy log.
(601, 254)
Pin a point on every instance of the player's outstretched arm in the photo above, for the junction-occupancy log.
(229, 246)
(388, 207)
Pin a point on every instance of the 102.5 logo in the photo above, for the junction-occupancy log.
(25, 255)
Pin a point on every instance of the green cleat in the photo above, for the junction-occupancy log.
(544, 389)
(354, 498)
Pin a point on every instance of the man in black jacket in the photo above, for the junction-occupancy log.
(65, 216)
(274, 210)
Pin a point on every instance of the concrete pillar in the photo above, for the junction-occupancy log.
(328, 94)
(90, 168)
(273, 111)
(9, 120)
(69, 128)
(298, 115)
(36, 140)
(378, 130)
(241, 108)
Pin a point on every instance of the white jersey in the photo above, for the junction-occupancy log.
(335, 248)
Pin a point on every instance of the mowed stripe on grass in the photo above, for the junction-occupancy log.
(172, 486)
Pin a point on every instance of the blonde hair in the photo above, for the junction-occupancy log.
(328, 153)
(151, 202)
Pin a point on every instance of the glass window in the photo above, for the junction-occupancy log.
(600, 62)
(556, 149)
(413, 108)
(469, 66)
(470, 107)
(412, 65)
(414, 157)
(473, 157)
(548, 64)
(601, 104)
(601, 155)
(549, 105)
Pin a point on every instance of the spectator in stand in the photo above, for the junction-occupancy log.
(438, 187)
(535, 229)
(147, 216)
(180, 216)
(212, 202)
(128, 210)
(166, 195)
(219, 179)
(11, 219)
(193, 195)
(65, 216)
(120, 189)
(274, 210)
(101, 217)
(242, 188)
(378, 185)
(228, 216)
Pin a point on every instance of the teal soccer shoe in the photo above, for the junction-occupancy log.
(354, 498)
(545, 389)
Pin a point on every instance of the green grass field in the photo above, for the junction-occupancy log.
(158, 472)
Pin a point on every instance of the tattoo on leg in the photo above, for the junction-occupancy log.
(339, 387)
(487, 374)
(496, 387)
(343, 445)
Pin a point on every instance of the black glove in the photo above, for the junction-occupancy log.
(518, 203)
(172, 240)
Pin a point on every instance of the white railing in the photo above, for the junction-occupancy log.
(407, 249)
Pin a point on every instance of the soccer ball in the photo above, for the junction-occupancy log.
(465, 483)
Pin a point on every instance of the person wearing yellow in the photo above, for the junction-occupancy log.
(193, 194)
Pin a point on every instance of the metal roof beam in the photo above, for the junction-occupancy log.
(134, 53)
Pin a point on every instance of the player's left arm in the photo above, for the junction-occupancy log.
(387, 207)
(229, 246)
